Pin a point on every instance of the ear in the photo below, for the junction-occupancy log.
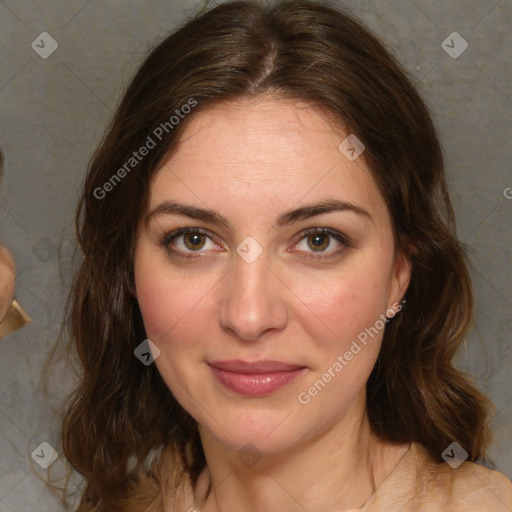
(401, 276)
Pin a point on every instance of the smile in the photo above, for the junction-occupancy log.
(255, 379)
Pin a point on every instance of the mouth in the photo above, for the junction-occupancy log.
(256, 378)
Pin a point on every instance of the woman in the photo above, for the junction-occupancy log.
(272, 291)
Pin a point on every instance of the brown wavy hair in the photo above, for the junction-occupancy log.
(121, 413)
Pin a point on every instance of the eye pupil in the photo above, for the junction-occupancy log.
(194, 240)
(319, 240)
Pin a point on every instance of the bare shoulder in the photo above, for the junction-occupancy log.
(490, 489)
(466, 487)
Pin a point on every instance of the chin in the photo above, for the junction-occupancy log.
(262, 430)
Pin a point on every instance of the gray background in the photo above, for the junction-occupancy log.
(54, 110)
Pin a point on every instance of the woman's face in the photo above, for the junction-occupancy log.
(268, 328)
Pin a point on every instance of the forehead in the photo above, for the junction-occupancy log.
(266, 129)
(263, 151)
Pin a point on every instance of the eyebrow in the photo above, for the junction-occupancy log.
(287, 218)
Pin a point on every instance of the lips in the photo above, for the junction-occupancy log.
(257, 367)
(256, 378)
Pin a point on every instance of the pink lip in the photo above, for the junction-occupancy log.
(257, 378)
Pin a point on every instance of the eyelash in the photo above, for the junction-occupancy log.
(345, 241)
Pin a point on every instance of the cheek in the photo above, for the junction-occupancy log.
(175, 305)
(347, 330)
(347, 303)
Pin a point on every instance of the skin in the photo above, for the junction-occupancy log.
(251, 161)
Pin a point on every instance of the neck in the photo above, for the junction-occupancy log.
(337, 470)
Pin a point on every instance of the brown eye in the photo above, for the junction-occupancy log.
(322, 243)
(194, 241)
(318, 241)
(187, 241)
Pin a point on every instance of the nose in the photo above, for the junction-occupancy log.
(253, 300)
